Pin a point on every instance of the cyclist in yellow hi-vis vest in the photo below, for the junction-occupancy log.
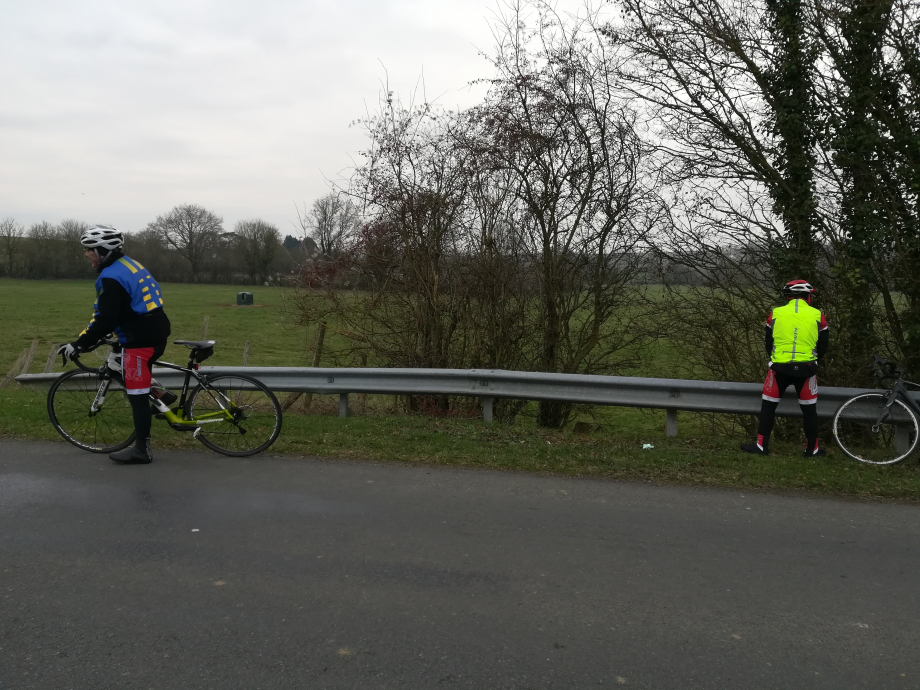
(130, 305)
(796, 336)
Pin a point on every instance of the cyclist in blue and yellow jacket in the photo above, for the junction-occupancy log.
(796, 336)
(129, 303)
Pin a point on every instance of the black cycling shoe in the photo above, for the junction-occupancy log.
(818, 453)
(133, 455)
(754, 448)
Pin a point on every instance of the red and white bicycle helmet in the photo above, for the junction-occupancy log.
(103, 239)
(798, 289)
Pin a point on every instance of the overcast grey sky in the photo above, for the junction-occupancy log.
(114, 112)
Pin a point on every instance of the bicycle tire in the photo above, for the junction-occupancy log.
(263, 419)
(69, 403)
(862, 438)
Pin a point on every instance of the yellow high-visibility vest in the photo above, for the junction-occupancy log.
(795, 332)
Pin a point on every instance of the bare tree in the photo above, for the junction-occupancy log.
(783, 130)
(11, 234)
(191, 230)
(443, 271)
(414, 185)
(43, 255)
(73, 261)
(870, 92)
(257, 242)
(729, 86)
(331, 222)
(149, 247)
(729, 89)
(556, 121)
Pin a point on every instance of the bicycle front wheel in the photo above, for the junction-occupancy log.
(237, 415)
(870, 431)
(92, 413)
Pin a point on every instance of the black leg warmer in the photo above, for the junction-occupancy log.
(810, 422)
(767, 419)
(140, 409)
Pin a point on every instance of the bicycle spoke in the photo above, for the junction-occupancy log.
(256, 415)
(871, 430)
(70, 401)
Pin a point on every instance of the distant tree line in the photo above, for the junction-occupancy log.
(187, 244)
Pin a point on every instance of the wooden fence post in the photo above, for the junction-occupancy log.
(22, 364)
(317, 352)
(30, 356)
(204, 328)
(246, 353)
(49, 363)
(15, 369)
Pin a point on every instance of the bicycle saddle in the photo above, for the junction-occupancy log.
(195, 344)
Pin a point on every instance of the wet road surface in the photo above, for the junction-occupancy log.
(201, 571)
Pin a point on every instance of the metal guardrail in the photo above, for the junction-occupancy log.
(671, 395)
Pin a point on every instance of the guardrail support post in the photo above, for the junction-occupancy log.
(901, 438)
(488, 406)
(343, 404)
(670, 425)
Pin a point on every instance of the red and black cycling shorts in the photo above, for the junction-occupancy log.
(775, 385)
(136, 364)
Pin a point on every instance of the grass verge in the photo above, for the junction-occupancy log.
(701, 461)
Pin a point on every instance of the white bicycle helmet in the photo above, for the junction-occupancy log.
(798, 289)
(102, 237)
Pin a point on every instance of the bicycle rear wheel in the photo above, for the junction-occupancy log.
(256, 414)
(70, 408)
(869, 431)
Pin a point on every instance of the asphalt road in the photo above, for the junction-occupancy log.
(201, 571)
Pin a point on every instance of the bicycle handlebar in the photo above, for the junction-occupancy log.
(75, 357)
(884, 369)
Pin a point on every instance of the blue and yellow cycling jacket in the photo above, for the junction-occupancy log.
(129, 304)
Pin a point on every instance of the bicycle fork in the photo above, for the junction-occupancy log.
(99, 399)
(886, 412)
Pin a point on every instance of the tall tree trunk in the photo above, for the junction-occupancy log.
(791, 95)
(858, 144)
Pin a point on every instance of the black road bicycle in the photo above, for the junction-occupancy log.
(880, 428)
(233, 414)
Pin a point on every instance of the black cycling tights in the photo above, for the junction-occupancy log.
(140, 409)
(809, 412)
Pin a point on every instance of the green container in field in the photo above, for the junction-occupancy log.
(244, 299)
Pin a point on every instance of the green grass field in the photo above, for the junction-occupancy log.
(55, 311)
